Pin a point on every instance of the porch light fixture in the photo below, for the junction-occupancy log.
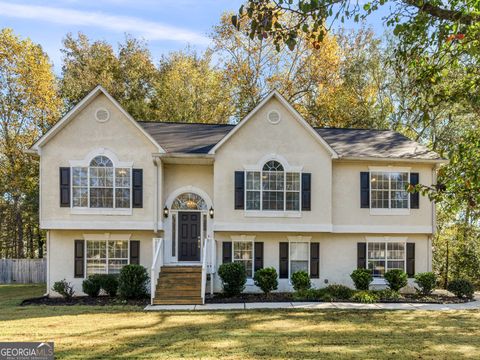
(211, 212)
(165, 212)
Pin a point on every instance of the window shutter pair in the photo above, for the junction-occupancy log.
(79, 256)
(365, 191)
(258, 250)
(410, 258)
(239, 189)
(314, 260)
(137, 187)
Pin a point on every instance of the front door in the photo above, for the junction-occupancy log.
(189, 236)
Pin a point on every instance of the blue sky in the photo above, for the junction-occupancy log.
(167, 25)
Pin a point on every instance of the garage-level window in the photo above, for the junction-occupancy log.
(106, 257)
(384, 256)
(243, 253)
(299, 255)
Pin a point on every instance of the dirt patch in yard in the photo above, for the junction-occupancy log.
(84, 300)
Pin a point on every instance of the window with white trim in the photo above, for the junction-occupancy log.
(272, 189)
(383, 256)
(101, 185)
(106, 256)
(243, 253)
(388, 190)
(299, 256)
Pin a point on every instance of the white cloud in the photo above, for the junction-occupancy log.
(148, 29)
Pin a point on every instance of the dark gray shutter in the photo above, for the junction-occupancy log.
(79, 259)
(258, 256)
(226, 252)
(414, 197)
(137, 188)
(411, 259)
(314, 260)
(283, 268)
(239, 190)
(306, 191)
(135, 252)
(361, 255)
(365, 190)
(64, 187)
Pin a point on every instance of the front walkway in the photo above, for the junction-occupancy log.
(473, 305)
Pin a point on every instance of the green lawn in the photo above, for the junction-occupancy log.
(128, 332)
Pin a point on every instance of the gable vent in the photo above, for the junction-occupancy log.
(274, 117)
(102, 115)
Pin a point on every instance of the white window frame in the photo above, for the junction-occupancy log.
(250, 239)
(298, 239)
(286, 169)
(389, 210)
(380, 280)
(106, 240)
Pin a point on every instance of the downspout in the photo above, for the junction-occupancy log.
(48, 264)
(155, 197)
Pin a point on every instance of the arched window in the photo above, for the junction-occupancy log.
(189, 201)
(273, 188)
(101, 185)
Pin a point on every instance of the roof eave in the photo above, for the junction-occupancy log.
(394, 159)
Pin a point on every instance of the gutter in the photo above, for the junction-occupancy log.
(418, 161)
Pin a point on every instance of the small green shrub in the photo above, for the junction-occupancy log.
(362, 278)
(92, 286)
(339, 292)
(388, 294)
(462, 288)
(234, 278)
(300, 280)
(312, 295)
(109, 283)
(396, 279)
(64, 288)
(132, 282)
(266, 279)
(426, 282)
(365, 296)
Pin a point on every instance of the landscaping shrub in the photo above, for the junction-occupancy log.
(461, 288)
(64, 288)
(362, 278)
(426, 282)
(300, 280)
(109, 283)
(388, 294)
(132, 282)
(312, 295)
(92, 286)
(396, 279)
(266, 279)
(339, 292)
(365, 296)
(234, 278)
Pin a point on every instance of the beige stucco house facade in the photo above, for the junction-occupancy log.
(270, 191)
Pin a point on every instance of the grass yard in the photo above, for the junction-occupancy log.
(128, 332)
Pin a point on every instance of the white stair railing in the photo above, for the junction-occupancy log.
(204, 268)
(157, 263)
(208, 264)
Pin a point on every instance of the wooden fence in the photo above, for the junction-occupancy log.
(23, 271)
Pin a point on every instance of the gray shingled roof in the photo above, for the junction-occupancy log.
(351, 143)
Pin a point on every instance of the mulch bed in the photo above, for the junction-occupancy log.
(288, 297)
(84, 300)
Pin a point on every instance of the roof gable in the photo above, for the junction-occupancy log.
(82, 105)
(292, 111)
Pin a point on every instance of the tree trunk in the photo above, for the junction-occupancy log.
(40, 242)
(19, 221)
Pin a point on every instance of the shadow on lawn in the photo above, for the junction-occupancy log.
(289, 334)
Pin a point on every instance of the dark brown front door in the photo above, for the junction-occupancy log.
(189, 236)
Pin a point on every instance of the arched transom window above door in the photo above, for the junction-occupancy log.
(189, 201)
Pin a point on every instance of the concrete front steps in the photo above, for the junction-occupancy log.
(179, 285)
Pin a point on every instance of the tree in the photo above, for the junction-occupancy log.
(189, 89)
(29, 105)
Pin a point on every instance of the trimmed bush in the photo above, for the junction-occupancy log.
(109, 284)
(266, 279)
(234, 278)
(461, 288)
(92, 286)
(132, 282)
(426, 282)
(388, 294)
(362, 278)
(64, 288)
(339, 292)
(365, 296)
(396, 279)
(300, 280)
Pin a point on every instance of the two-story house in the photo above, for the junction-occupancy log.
(270, 191)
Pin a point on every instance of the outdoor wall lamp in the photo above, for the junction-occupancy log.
(165, 212)
(211, 212)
